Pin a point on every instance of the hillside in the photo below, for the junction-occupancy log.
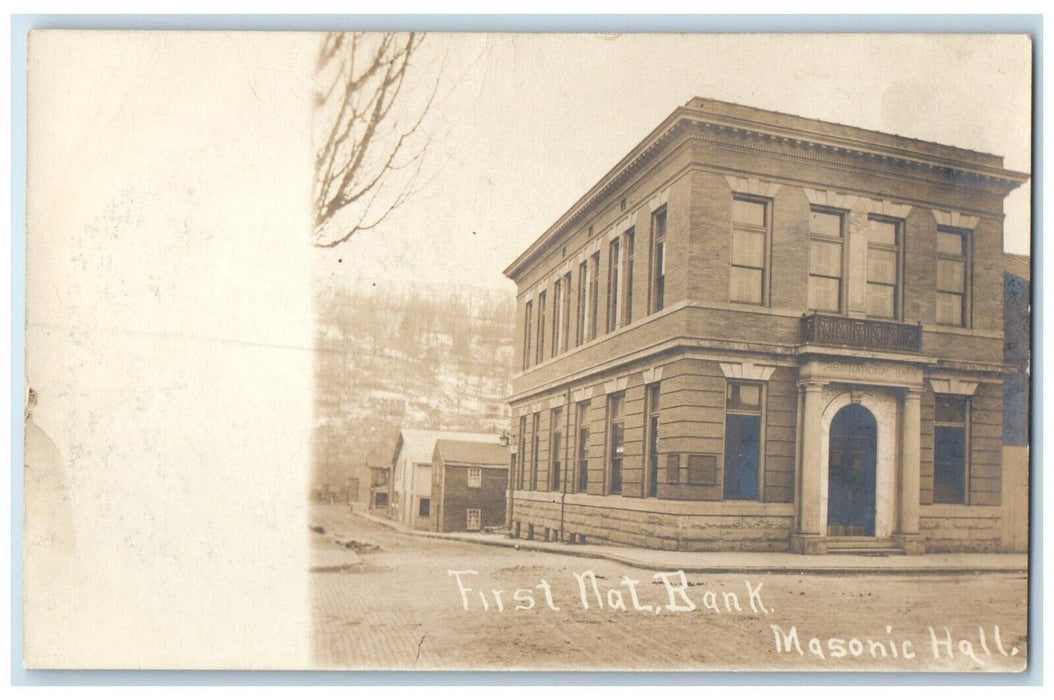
(391, 356)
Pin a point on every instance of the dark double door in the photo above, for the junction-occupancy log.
(851, 474)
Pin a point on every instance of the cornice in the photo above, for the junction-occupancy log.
(788, 142)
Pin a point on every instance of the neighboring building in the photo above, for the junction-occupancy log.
(1017, 340)
(765, 332)
(411, 480)
(470, 482)
(380, 487)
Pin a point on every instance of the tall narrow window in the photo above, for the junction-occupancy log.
(950, 438)
(583, 293)
(825, 261)
(614, 285)
(742, 440)
(651, 421)
(556, 446)
(536, 428)
(616, 441)
(627, 313)
(528, 327)
(582, 444)
(521, 461)
(749, 250)
(475, 477)
(558, 318)
(594, 294)
(883, 268)
(658, 260)
(953, 276)
(565, 332)
(541, 328)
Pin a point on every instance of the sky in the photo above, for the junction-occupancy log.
(525, 124)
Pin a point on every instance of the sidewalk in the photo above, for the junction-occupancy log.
(742, 562)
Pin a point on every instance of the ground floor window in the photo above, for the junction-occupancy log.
(949, 449)
(424, 507)
(617, 441)
(743, 408)
(380, 500)
(472, 519)
(582, 445)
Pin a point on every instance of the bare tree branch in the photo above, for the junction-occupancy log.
(368, 117)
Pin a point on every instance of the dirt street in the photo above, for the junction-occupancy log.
(401, 608)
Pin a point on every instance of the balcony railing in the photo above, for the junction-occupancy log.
(824, 329)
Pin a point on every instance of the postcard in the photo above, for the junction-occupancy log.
(424, 351)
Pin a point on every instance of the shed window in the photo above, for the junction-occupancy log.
(475, 477)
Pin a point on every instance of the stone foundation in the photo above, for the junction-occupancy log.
(953, 528)
(653, 523)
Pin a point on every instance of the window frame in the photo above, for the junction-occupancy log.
(536, 429)
(565, 332)
(594, 296)
(965, 426)
(558, 309)
(657, 263)
(628, 254)
(652, 410)
(581, 308)
(841, 241)
(528, 327)
(898, 288)
(761, 413)
(614, 295)
(468, 519)
(556, 434)
(424, 507)
(540, 350)
(766, 231)
(966, 258)
(613, 486)
(521, 466)
(474, 478)
(582, 431)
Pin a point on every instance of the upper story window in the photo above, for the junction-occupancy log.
(558, 317)
(581, 315)
(953, 276)
(565, 314)
(627, 314)
(750, 226)
(475, 477)
(658, 260)
(614, 284)
(884, 248)
(616, 441)
(528, 326)
(826, 260)
(541, 327)
(594, 295)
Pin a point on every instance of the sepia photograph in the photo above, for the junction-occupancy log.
(425, 351)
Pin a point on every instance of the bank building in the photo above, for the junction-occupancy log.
(762, 332)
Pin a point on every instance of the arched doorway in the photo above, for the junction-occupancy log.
(851, 473)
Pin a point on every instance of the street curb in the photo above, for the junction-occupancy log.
(581, 551)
